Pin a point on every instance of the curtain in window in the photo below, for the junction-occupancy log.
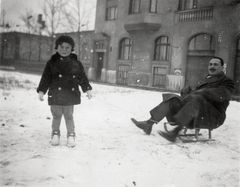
(187, 4)
(134, 6)
(153, 6)
(162, 48)
(111, 11)
(125, 49)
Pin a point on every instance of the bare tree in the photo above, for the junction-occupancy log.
(2, 17)
(78, 15)
(53, 13)
(3, 24)
(30, 21)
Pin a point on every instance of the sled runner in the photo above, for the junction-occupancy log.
(190, 137)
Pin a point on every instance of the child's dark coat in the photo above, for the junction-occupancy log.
(62, 77)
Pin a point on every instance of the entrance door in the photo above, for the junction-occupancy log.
(237, 69)
(99, 66)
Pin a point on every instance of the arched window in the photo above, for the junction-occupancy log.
(201, 42)
(134, 6)
(187, 4)
(125, 49)
(162, 47)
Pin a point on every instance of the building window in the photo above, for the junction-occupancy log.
(134, 6)
(111, 10)
(187, 4)
(162, 47)
(153, 6)
(125, 49)
(99, 44)
(201, 42)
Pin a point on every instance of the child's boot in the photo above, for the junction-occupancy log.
(55, 138)
(71, 139)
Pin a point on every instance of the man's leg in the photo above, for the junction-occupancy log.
(184, 118)
(166, 108)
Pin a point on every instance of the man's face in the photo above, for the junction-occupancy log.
(214, 66)
(64, 49)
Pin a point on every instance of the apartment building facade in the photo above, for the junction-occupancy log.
(164, 44)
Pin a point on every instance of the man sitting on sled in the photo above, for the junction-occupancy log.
(201, 107)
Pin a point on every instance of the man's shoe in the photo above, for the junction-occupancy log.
(144, 125)
(171, 135)
(168, 136)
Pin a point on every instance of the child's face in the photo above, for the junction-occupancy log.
(64, 49)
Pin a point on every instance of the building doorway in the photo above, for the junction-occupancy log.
(99, 66)
(200, 50)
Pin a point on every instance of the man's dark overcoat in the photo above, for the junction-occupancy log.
(62, 77)
(205, 106)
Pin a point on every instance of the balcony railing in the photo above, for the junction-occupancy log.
(195, 14)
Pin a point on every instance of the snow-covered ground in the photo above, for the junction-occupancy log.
(110, 151)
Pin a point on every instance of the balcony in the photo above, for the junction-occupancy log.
(142, 22)
(194, 15)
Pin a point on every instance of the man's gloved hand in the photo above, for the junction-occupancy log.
(40, 96)
(185, 91)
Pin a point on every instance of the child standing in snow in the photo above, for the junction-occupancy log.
(61, 77)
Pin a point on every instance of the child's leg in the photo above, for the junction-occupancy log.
(68, 115)
(57, 112)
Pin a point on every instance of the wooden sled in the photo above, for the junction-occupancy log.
(190, 137)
